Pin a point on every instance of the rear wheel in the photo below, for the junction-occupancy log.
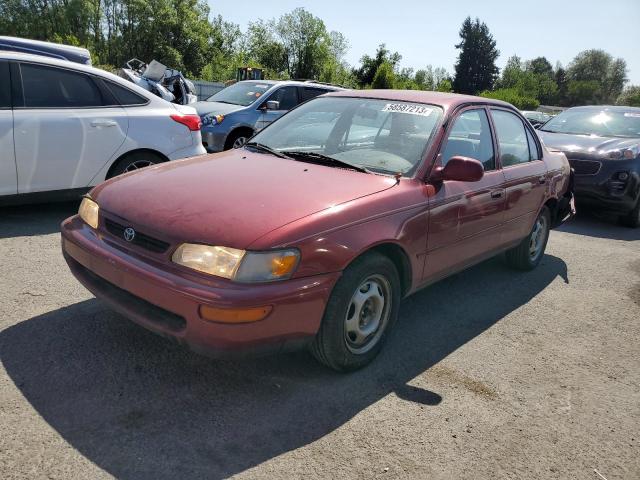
(633, 218)
(362, 308)
(135, 161)
(527, 255)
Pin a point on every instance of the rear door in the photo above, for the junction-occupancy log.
(525, 173)
(8, 176)
(66, 127)
(287, 98)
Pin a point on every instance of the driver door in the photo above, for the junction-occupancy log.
(8, 176)
(287, 98)
(466, 218)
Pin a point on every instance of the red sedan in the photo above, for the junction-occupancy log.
(312, 233)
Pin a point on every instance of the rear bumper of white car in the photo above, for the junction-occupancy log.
(190, 151)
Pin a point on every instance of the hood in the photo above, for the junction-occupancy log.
(229, 199)
(585, 146)
(217, 108)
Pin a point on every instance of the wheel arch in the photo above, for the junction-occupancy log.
(238, 129)
(115, 163)
(398, 256)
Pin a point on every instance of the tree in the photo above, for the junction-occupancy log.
(514, 97)
(384, 77)
(540, 66)
(370, 65)
(630, 97)
(475, 69)
(601, 77)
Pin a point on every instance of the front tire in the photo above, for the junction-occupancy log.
(632, 220)
(237, 139)
(362, 309)
(527, 255)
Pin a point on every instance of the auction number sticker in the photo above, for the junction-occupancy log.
(406, 108)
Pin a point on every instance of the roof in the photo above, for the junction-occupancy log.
(47, 49)
(302, 83)
(446, 100)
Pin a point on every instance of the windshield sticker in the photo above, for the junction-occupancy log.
(629, 114)
(410, 109)
(262, 86)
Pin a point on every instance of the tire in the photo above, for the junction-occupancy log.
(527, 255)
(632, 219)
(135, 161)
(237, 139)
(346, 341)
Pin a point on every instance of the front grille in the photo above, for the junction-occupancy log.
(141, 240)
(585, 167)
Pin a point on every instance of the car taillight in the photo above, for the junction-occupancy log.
(192, 122)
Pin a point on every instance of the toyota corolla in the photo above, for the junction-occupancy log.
(312, 233)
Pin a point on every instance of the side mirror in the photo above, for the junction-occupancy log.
(272, 105)
(461, 169)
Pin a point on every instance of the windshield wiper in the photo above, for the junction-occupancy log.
(326, 160)
(267, 149)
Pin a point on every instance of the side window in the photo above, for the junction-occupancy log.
(124, 96)
(470, 136)
(512, 138)
(534, 152)
(50, 87)
(287, 96)
(5, 86)
(307, 93)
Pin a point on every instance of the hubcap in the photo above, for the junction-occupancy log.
(367, 314)
(538, 237)
(239, 142)
(137, 165)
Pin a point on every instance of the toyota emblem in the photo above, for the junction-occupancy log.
(129, 234)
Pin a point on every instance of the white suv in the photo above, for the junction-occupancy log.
(65, 127)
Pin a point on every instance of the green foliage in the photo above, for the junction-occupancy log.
(530, 79)
(595, 77)
(445, 85)
(384, 77)
(370, 65)
(514, 97)
(476, 68)
(630, 97)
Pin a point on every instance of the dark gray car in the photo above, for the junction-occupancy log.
(602, 144)
(234, 114)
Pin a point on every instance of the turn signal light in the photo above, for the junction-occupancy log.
(192, 122)
(234, 315)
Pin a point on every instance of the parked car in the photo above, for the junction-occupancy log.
(306, 238)
(65, 127)
(235, 113)
(535, 118)
(47, 49)
(603, 147)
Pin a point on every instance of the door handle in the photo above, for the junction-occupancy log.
(103, 123)
(542, 180)
(496, 194)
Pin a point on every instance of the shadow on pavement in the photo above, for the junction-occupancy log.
(141, 407)
(600, 226)
(41, 219)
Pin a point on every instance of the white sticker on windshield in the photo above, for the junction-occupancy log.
(410, 109)
(629, 114)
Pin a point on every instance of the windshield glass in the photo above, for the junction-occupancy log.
(384, 136)
(604, 123)
(243, 93)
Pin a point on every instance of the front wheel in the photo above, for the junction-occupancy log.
(527, 255)
(362, 308)
(632, 219)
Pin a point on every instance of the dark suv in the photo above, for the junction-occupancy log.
(602, 144)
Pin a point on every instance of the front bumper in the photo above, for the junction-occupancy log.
(605, 190)
(168, 303)
(213, 139)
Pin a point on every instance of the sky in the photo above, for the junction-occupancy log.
(425, 32)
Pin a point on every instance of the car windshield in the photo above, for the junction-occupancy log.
(242, 93)
(604, 123)
(383, 136)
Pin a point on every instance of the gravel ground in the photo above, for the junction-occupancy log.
(489, 374)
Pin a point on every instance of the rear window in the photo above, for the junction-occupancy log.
(5, 86)
(124, 96)
(307, 93)
(51, 87)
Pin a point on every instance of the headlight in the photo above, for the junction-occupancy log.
(238, 265)
(88, 212)
(212, 119)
